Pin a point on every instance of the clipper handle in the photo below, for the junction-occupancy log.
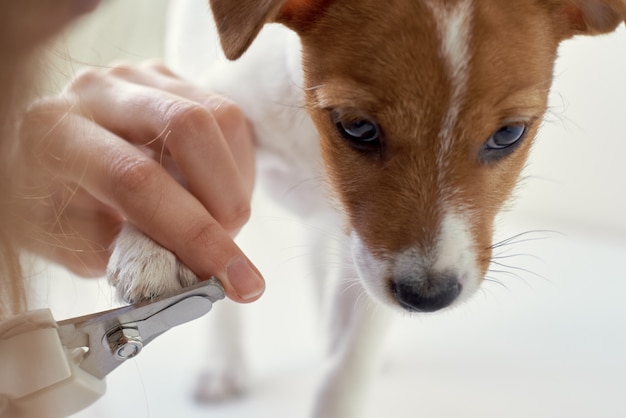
(39, 377)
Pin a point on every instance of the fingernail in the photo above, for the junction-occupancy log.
(246, 282)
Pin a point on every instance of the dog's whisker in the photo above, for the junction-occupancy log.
(508, 273)
(521, 269)
(352, 284)
(526, 237)
(493, 280)
(364, 298)
(517, 255)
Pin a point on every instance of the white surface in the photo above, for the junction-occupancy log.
(549, 343)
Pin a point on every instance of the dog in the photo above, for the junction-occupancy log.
(419, 115)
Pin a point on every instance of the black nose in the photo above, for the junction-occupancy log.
(429, 294)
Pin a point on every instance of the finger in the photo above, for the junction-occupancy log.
(158, 76)
(236, 129)
(121, 176)
(187, 130)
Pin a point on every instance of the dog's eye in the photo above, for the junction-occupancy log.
(361, 133)
(503, 142)
(358, 130)
(506, 136)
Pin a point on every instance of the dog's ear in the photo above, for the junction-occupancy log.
(239, 21)
(588, 17)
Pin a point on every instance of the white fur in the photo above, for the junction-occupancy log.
(454, 24)
(140, 268)
(456, 252)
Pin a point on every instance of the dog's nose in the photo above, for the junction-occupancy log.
(429, 294)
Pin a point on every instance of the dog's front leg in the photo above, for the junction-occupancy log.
(225, 373)
(358, 331)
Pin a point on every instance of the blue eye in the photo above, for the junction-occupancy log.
(506, 136)
(359, 132)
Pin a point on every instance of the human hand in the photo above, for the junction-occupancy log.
(111, 147)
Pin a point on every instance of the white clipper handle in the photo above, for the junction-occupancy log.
(39, 378)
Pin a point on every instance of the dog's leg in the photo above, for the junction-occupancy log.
(358, 333)
(141, 269)
(225, 374)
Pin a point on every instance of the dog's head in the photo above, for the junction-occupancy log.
(427, 110)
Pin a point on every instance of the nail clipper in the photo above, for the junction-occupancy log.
(52, 370)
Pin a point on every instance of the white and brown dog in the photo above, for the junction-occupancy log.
(420, 114)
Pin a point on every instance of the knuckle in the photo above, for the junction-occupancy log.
(84, 80)
(226, 109)
(232, 120)
(236, 218)
(187, 118)
(122, 70)
(133, 176)
(185, 113)
(158, 67)
(204, 235)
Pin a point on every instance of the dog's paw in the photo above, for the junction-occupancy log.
(141, 269)
(221, 383)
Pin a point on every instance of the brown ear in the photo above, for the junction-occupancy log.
(589, 17)
(239, 21)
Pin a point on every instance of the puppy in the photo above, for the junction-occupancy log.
(420, 115)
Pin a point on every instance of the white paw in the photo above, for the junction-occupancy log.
(141, 269)
(221, 383)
